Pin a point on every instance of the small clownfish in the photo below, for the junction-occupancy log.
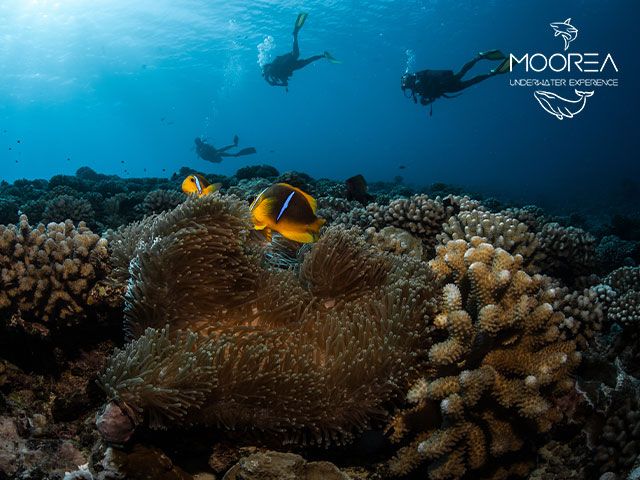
(287, 210)
(196, 184)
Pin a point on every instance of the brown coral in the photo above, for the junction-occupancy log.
(47, 272)
(568, 251)
(583, 314)
(498, 229)
(306, 361)
(496, 371)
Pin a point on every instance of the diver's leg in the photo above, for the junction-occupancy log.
(462, 84)
(303, 63)
(296, 49)
(224, 149)
(466, 67)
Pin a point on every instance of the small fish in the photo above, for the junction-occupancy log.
(196, 184)
(287, 210)
(567, 31)
(402, 167)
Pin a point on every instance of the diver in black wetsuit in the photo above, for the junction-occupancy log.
(278, 72)
(211, 154)
(430, 85)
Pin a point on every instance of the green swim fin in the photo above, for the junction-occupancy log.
(504, 67)
(302, 17)
(492, 55)
(331, 58)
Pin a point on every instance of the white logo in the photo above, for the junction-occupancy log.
(567, 31)
(561, 107)
(583, 72)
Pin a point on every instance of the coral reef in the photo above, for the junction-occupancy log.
(256, 171)
(498, 229)
(309, 360)
(618, 446)
(395, 240)
(568, 251)
(623, 302)
(461, 367)
(282, 466)
(160, 200)
(583, 314)
(419, 215)
(48, 273)
(613, 252)
(66, 207)
(498, 372)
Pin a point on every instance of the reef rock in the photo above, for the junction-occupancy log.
(282, 466)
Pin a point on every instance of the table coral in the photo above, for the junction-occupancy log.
(496, 371)
(47, 272)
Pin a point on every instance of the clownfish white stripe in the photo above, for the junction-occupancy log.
(284, 207)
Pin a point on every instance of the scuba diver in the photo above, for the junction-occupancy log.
(278, 72)
(433, 84)
(211, 154)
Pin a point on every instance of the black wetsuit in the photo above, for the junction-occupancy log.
(278, 72)
(210, 154)
(433, 84)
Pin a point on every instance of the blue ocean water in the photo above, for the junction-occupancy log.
(125, 87)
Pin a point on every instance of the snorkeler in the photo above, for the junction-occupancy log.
(278, 72)
(430, 85)
(211, 154)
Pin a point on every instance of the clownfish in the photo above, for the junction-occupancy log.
(287, 210)
(196, 184)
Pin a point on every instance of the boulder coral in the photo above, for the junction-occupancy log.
(497, 368)
(48, 272)
(218, 340)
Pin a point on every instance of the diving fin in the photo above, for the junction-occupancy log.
(504, 67)
(331, 58)
(492, 55)
(235, 140)
(302, 17)
(245, 151)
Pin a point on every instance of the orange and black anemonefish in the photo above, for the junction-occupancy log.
(196, 184)
(287, 210)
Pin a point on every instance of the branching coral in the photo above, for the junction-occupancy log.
(618, 446)
(296, 360)
(498, 229)
(496, 371)
(583, 314)
(66, 207)
(48, 272)
(613, 252)
(395, 240)
(160, 200)
(569, 251)
(623, 302)
(420, 215)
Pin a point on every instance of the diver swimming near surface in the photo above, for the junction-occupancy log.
(429, 85)
(278, 72)
(211, 154)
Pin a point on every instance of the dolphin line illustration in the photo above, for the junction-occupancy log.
(561, 107)
(568, 32)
